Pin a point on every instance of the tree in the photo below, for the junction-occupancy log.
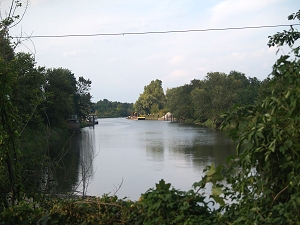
(60, 90)
(9, 128)
(28, 92)
(105, 108)
(152, 99)
(264, 176)
(9, 136)
(247, 93)
(179, 102)
(217, 94)
(83, 97)
(207, 99)
(6, 49)
(201, 103)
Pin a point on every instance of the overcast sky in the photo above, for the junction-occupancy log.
(119, 66)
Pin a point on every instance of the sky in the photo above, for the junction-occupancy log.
(119, 66)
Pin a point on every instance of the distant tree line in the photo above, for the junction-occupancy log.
(202, 100)
(208, 98)
(105, 108)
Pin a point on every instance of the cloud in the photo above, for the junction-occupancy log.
(113, 59)
(239, 56)
(259, 53)
(235, 11)
(201, 69)
(252, 55)
(177, 76)
(239, 7)
(177, 59)
(71, 53)
(266, 65)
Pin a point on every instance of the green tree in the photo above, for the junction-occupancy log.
(264, 177)
(82, 98)
(9, 127)
(217, 93)
(28, 94)
(247, 93)
(106, 108)
(201, 104)
(60, 90)
(152, 99)
(208, 98)
(9, 136)
(6, 49)
(179, 102)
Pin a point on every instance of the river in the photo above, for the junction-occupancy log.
(127, 157)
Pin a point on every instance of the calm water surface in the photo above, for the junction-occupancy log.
(137, 154)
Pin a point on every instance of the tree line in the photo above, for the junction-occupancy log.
(202, 100)
(35, 103)
(105, 109)
(40, 96)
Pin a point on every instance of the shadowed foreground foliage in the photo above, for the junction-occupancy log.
(162, 205)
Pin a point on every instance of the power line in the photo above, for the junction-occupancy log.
(155, 32)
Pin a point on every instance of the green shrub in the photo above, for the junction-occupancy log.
(170, 206)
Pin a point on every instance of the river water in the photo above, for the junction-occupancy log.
(127, 157)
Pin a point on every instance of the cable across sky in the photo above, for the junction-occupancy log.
(155, 32)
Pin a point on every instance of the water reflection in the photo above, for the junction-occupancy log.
(155, 154)
(140, 153)
(65, 172)
(87, 154)
(74, 169)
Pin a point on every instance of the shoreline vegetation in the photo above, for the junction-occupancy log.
(261, 182)
(162, 205)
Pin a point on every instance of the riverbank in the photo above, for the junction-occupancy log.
(166, 117)
(162, 205)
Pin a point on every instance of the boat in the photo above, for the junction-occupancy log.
(141, 118)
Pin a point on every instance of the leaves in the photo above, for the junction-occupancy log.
(269, 134)
(152, 99)
(166, 205)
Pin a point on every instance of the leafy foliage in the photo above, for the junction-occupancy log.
(61, 88)
(209, 98)
(179, 102)
(152, 99)
(31, 99)
(170, 206)
(265, 190)
(82, 97)
(9, 129)
(28, 94)
(106, 108)
(161, 205)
